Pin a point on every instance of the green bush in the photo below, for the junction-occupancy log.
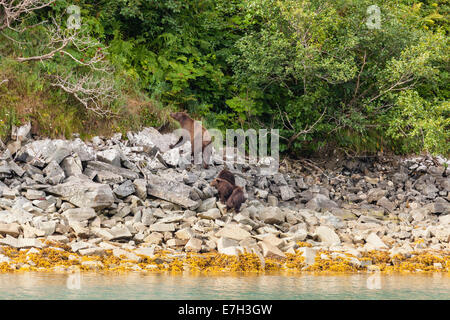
(312, 57)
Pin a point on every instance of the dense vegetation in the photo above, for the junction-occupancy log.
(315, 69)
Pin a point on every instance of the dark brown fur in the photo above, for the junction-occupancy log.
(227, 175)
(35, 129)
(224, 187)
(187, 123)
(236, 199)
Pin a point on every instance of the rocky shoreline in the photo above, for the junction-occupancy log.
(134, 204)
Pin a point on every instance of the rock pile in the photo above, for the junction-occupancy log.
(137, 194)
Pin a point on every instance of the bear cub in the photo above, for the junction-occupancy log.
(229, 193)
(224, 187)
(227, 175)
(236, 199)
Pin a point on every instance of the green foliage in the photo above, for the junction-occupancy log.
(311, 68)
(420, 124)
(178, 52)
(8, 118)
(317, 61)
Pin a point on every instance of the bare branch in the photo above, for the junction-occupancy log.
(12, 11)
(95, 94)
(91, 88)
(405, 78)
(304, 131)
(60, 39)
(359, 75)
(12, 39)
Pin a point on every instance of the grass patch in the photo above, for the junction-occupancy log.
(27, 96)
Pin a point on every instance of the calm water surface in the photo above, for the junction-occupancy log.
(164, 286)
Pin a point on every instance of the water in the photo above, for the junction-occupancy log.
(253, 287)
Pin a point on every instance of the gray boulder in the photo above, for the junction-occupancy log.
(103, 166)
(375, 194)
(327, 236)
(111, 156)
(84, 193)
(286, 193)
(272, 215)
(320, 201)
(72, 165)
(170, 190)
(125, 189)
(441, 206)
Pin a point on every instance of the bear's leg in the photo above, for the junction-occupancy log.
(207, 151)
(179, 143)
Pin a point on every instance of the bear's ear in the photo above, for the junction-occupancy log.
(174, 115)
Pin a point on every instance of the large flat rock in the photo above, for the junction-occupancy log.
(170, 190)
(21, 242)
(40, 152)
(152, 138)
(84, 193)
(103, 166)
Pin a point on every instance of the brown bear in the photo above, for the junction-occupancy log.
(224, 187)
(227, 175)
(187, 123)
(236, 199)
